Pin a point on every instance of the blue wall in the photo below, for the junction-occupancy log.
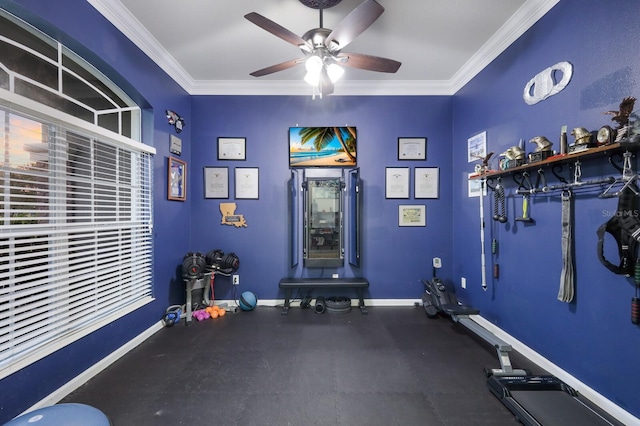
(80, 26)
(591, 338)
(393, 257)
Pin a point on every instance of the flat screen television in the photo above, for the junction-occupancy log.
(322, 147)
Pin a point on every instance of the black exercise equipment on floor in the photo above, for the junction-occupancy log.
(535, 400)
(440, 299)
(548, 401)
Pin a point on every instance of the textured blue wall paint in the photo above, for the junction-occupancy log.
(393, 258)
(80, 26)
(591, 338)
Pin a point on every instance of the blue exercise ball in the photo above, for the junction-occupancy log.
(248, 301)
(71, 414)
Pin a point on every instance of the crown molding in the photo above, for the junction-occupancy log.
(528, 14)
(133, 29)
(344, 88)
(524, 18)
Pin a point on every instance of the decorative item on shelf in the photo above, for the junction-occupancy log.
(543, 149)
(605, 136)
(484, 167)
(622, 115)
(563, 140)
(622, 131)
(512, 157)
(582, 141)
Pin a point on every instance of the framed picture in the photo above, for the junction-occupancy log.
(477, 147)
(412, 215)
(412, 148)
(322, 146)
(397, 182)
(216, 182)
(175, 145)
(246, 182)
(232, 149)
(426, 182)
(476, 187)
(177, 180)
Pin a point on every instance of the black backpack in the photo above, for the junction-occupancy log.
(624, 226)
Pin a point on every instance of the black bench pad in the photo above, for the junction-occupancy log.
(290, 283)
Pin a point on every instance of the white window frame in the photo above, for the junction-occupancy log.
(54, 327)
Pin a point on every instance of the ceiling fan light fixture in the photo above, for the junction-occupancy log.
(322, 47)
(312, 78)
(314, 64)
(335, 72)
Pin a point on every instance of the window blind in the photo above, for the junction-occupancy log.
(75, 232)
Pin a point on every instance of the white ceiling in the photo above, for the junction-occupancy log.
(208, 46)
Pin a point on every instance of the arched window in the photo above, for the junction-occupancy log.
(35, 66)
(75, 198)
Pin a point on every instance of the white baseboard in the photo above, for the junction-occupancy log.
(92, 371)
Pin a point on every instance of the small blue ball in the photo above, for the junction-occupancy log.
(248, 301)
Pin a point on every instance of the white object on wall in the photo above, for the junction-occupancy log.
(544, 85)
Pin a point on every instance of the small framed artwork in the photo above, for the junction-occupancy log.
(175, 145)
(397, 182)
(477, 147)
(177, 180)
(475, 187)
(412, 215)
(216, 182)
(232, 149)
(247, 183)
(412, 148)
(426, 182)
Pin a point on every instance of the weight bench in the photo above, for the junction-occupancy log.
(287, 284)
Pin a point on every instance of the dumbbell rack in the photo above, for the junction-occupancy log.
(195, 284)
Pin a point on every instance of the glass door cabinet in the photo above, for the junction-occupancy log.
(323, 222)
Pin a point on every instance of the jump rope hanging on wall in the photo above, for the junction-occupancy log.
(499, 215)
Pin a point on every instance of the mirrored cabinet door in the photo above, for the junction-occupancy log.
(323, 233)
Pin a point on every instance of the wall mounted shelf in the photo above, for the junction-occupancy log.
(596, 152)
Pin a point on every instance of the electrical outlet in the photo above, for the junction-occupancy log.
(335, 276)
(236, 279)
(463, 282)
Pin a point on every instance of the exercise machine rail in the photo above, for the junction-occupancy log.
(547, 401)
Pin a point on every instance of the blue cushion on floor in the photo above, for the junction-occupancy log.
(62, 415)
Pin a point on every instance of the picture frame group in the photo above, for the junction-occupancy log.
(246, 183)
(426, 182)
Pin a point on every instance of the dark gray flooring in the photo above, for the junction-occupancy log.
(393, 366)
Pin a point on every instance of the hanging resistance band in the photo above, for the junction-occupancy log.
(565, 294)
(499, 207)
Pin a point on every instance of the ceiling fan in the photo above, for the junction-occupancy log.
(322, 47)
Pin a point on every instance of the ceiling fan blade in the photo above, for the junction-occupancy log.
(275, 29)
(355, 23)
(275, 68)
(368, 62)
